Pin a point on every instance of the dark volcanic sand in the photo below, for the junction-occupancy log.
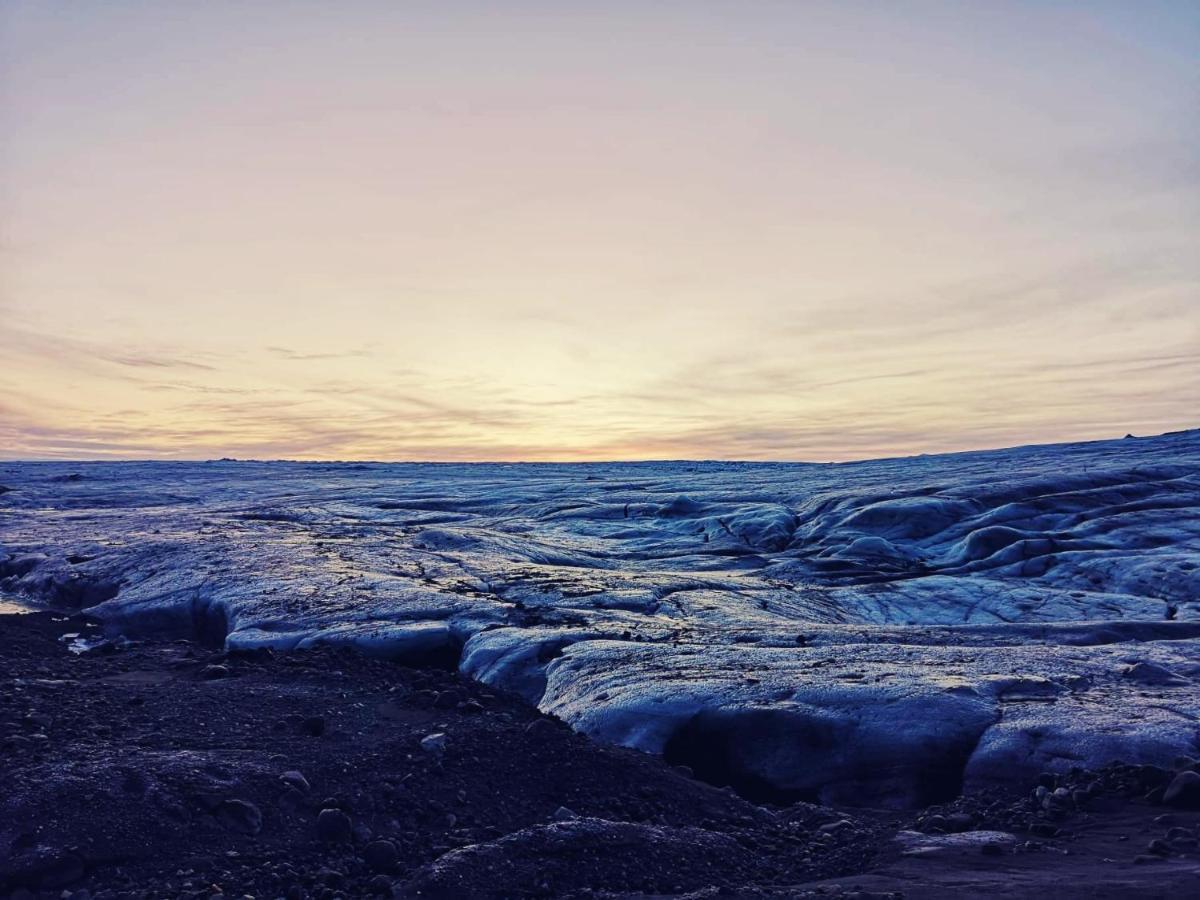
(158, 770)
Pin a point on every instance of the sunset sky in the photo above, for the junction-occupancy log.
(609, 230)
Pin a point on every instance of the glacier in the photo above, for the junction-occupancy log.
(886, 633)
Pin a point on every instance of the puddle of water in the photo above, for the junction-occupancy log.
(78, 644)
(9, 607)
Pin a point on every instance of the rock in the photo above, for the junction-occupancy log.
(333, 826)
(210, 673)
(296, 780)
(290, 798)
(239, 815)
(563, 814)
(381, 886)
(381, 856)
(1183, 791)
(313, 725)
(1159, 846)
(330, 877)
(434, 743)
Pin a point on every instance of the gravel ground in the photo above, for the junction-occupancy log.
(170, 770)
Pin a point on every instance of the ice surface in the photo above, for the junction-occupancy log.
(871, 632)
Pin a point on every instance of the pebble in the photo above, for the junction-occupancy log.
(240, 815)
(290, 798)
(333, 826)
(434, 743)
(381, 856)
(1159, 846)
(330, 877)
(381, 886)
(1183, 791)
(296, 780)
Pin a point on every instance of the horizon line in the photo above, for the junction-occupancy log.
(584, 462)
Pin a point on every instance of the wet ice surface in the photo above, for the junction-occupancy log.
(880, 632)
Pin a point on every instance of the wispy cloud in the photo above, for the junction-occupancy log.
(153, 362)
(295, 355)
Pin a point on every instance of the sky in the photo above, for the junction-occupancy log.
(595, 230)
